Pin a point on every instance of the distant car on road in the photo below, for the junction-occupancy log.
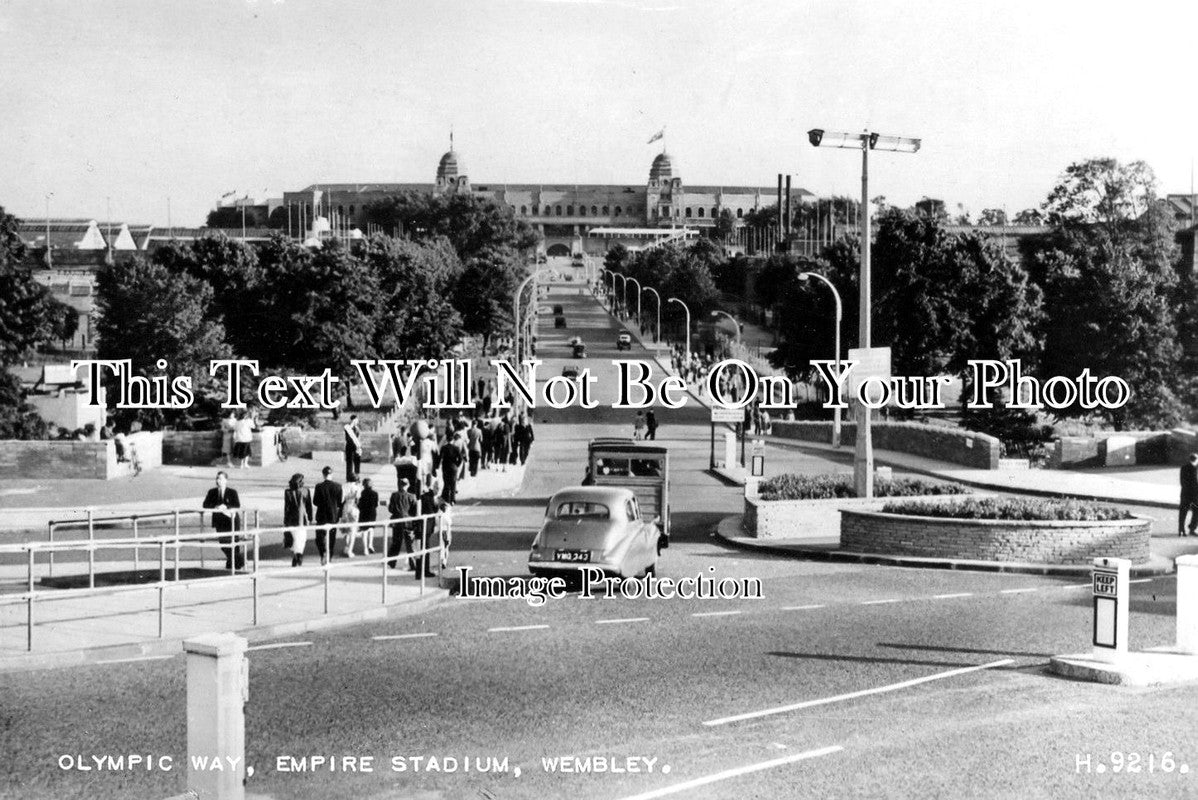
(559, 322)
(571, 371)
(623, 342)
(579, 350)
(595, 526)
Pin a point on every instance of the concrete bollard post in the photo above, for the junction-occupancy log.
(1111, 591)
(752, 487)
(730, 459)
(217, 690)
(1187, 604)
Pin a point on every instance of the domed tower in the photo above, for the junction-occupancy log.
(663, 195)
(451, 177)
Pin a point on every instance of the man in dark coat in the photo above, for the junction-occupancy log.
(368, 512)
(1188, 506)
(451, 463)
(402, 505)
(221, 499)
(650, 425)
(327, 499)
(522, 437)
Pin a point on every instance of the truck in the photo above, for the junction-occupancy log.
(642, 468)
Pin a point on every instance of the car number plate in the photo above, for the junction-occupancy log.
(574, 556)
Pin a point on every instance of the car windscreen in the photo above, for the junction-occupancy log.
(581, 509)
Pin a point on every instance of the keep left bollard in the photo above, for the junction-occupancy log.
(1187, 604)
(217, 691)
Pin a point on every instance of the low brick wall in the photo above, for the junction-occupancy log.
(74, 459)
(993, 540)
(201, 448)
(809, 519)
(304, 441)
(968, 448)
(1182, 442)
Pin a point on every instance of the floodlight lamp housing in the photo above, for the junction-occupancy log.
(815, 136)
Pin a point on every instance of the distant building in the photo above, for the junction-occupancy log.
(564, 213)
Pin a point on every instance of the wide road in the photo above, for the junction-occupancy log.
(841, 681)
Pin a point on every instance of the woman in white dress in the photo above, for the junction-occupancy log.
(350, 494)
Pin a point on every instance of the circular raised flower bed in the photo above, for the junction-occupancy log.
(997, 529)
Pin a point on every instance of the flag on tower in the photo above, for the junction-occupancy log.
(661, 133)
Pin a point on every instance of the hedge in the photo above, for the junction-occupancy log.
(828, 487)
(1011, 508)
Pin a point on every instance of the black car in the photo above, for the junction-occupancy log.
(559, 322)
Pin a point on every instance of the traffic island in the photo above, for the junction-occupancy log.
(1110, 661)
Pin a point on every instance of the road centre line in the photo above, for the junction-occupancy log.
(951, 596)
(879, 602)
(893, 687)
(517, 628)
(733, 773)
(133, 659)
(1077, 586)
(278, 646)
(618, 621)
(802, 608)
(715, 613)
(1142, 580)
(391, 636)
(1020, 591)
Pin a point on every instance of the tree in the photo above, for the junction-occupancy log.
(724, 226)
(1029, 216)
(617, 258)
(471, 223)
(414, 315)
(147, 313)
(29, 314)
(484, 292)
(1110, 284)
(231, 217)
(992, 216)
(238, 283)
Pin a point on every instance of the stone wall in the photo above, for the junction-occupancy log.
(968, 448)
(994, 540)
(201, 448)
(809, 519)
(1075, 452)
(57, 459)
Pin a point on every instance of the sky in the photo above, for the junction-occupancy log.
(129, 103)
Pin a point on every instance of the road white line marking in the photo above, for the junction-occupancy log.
(951, 596)
(714, 613)
(733, 773)
(388, 637)
(131, 660)
(801, 608)
(517, 628)
(893, 687)
(1077, 586)
(1020, 591)
(878, 602)
(278, 645)
(618, 621)
(1142, 580)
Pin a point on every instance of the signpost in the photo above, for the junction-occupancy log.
(1111, 605)
(872, 362)
(721, 414)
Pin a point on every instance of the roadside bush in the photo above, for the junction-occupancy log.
(1011, 508)
(827, 487)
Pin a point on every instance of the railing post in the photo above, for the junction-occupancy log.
(91, 559)
(161, 587)
(50, 539)
(326, 587)
(91, 524)
(29, 607)
(136, 553)
(254, 580)
(384, 564)
(217, 691)
(420, 562)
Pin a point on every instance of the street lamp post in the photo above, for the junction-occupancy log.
(623, 304)
(657, 334)
(638, 300)
(688, 326)
(516, 314)
(735, 324)
(863, 457)
(804, 276)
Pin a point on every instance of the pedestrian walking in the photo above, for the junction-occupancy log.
(368, 512)
(474, 445)
(297, 516)
(503, 442)
(353, 447)
(243, 437)
(451, 462)
(351, 493)
(327, 500)
(224, 502)
(1188, 505)
(227, 426)
(523, 437)
(402, 506)
(650, 425)
(638, 426)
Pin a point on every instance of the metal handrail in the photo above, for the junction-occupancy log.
(31, 595)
